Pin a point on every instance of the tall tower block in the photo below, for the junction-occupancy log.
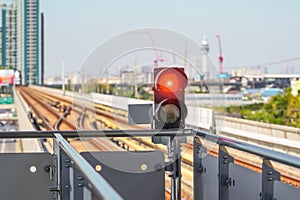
(8, 37)
(28, 37)
(205, 48)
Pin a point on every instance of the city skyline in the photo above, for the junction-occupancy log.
(253, 33)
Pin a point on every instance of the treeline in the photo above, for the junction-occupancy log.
(125, 92)
(283, 110)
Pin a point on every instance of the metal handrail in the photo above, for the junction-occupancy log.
(243, 146)
(101, 186)
(95, 133)
(253, 149)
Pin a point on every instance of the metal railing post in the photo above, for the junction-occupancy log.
(224, 179)
(67, 185)
(199, 151)
(269, 175)
(57, 174)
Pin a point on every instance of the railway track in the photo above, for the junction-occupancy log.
(51, 105)
(106, 119)
(104, 116)
(50, 118)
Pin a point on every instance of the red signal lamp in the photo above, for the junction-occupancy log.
(169, 86)
(170, 80)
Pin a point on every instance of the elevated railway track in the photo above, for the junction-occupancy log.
(51, 105)
(44, 102)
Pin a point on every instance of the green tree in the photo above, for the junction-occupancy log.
(292, 117)
(284, 110)
(275, 109)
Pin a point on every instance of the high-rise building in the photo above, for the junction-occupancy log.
(205, 49)
(20, 34)
(8, 37)
(28, 40)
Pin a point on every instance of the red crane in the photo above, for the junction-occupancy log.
(220, 56)
(159, 57)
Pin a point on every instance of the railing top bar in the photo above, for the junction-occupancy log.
(26, 134)
(94, 133)
(101, 186)
(256, 150)
(260, 151)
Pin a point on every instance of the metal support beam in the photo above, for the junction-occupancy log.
(269, 175)
(67, 185)
(57, 158)
(199, 169)
(224, 178)
(174, 154)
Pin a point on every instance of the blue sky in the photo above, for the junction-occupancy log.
(253, 32)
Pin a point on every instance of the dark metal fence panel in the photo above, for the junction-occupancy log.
(135, 175)
(283, 191)
(26, 176)
(205, 174)
(214, 178)
(245, 184)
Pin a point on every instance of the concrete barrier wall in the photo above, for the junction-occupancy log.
(275, 130)
(276, 137)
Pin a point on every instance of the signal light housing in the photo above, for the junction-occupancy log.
(169, 88)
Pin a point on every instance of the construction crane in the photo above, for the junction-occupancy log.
(220, 56)
(159, 57)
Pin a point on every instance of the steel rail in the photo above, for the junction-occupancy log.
(61, 118)
(50, 109)
(27, 97)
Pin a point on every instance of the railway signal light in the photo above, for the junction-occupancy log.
(169, 87)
